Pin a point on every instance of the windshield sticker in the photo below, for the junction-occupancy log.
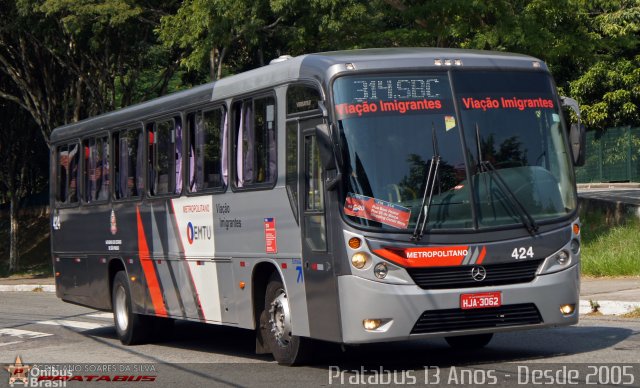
(373, 209)
(449, 122)
(506, 103)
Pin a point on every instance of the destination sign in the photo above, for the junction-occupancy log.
(365, 95)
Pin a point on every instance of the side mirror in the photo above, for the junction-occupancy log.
(323, 137)
(578, 141)
(577, 133)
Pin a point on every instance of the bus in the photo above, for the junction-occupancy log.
(351, 197)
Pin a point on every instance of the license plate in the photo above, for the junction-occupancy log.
(481, 300)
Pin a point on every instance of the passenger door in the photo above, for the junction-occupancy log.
(320, 280)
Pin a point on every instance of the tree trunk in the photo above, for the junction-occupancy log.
(221, 56)
(212, 64)
(14, 264)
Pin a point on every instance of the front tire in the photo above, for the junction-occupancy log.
(475, 341)
(275, 326)
(129, 326)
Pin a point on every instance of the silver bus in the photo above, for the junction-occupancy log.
(351, 197)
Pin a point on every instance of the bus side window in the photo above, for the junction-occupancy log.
(62, 173)
(96, 171)
(161, 157)
(206, 147)
(74, 171)
(255, 150)
(302, 99)
(292, 165)
(128, 163)
(177, 139)
(315, 228)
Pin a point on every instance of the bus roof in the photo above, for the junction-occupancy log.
(319, 67)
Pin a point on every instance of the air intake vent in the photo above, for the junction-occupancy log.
(457, 319)
(460, 276)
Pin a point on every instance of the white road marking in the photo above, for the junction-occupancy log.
(73, 324)
(22, 334)
(101, 315)
(10, 343)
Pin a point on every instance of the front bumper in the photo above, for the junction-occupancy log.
(400, 306)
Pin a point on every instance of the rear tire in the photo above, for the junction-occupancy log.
(130, 327)
(275, 327)
(475, 341)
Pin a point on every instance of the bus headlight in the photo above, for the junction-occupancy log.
(371, 324)
(562, 257)
(559, 261)
(359, 259)
(380, 270)
(567, 309)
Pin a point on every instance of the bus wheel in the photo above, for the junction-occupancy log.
(287, 349)
(129, 326)
(475, 341)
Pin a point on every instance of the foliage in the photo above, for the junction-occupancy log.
(610, 93)
(609, 90)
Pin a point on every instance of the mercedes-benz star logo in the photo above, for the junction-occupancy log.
(478, 273)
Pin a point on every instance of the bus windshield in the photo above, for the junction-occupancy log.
(501, 156)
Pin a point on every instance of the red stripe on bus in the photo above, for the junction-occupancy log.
(399, 256)
(149, 270)
(482, 254)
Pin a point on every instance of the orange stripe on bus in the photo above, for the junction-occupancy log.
(149, 270)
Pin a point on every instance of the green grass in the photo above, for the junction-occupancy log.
(610, 250)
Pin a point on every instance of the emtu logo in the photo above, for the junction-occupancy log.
(198, 233)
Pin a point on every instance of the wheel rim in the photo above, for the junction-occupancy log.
(120, 309)
(280, 319)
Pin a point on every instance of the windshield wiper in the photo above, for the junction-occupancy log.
(430, 183)
(487, 166)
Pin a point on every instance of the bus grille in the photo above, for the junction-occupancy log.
(457, 319)
(460, 276)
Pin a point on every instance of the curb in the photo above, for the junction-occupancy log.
(28, 288)
(609, 307)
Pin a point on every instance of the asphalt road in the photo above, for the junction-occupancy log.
(42, 330)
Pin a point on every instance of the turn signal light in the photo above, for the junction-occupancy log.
(355, 243)
(242, 285)
(576, 229)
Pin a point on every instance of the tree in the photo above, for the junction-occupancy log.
(24, 166)
(609, 90)
(69, 60)
(28, 59)
(207, 30)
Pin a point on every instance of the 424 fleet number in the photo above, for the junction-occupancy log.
(522, 253)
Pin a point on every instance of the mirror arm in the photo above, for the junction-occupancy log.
(331, 183)
(573, 104)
